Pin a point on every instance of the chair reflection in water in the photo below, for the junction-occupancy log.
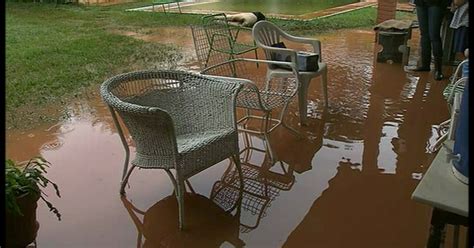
(263, 180)
(209, 225)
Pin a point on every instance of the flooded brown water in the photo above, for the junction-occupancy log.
(347, 184)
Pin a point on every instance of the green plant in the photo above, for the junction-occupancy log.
(27, 180)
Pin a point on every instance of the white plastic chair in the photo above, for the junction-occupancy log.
(267, 34)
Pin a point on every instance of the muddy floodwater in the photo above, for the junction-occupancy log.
(348, 183)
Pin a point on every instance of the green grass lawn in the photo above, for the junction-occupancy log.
(355, 19)
(53, 52)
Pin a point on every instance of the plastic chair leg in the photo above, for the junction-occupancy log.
(324, 82)
(302, 100)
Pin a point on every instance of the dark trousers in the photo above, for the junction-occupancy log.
(430, 19)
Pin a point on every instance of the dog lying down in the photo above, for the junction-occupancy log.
(247, 19)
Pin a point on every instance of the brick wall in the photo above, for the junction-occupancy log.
(386, 10)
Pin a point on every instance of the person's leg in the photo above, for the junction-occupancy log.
(425, 43)
(435, 18)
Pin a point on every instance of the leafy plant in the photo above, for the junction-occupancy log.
(28, 180)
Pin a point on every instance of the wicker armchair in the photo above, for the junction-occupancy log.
(177, 120)
(259, 94)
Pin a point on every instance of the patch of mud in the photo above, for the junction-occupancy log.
(153, 54)
(179, 39)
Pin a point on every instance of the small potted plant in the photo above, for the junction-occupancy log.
(23, 183)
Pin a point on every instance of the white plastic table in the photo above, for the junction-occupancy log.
(442, 190)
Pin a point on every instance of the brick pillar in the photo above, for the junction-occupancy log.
(386, 10)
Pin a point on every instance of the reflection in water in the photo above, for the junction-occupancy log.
(207, 224)
(262, 184)
(384, 192)
(346, 184)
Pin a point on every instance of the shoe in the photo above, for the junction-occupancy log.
(438, 73)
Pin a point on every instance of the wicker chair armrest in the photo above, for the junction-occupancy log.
(131, 112)
(249, 89)
(117, 104)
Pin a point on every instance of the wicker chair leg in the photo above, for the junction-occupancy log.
(324, 81)
(236, 159)
(125, 180)
(181, 189)
(123, 139)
